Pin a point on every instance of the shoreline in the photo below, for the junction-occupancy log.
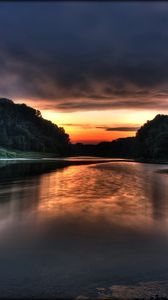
(16, 155)
(82, 159)
(141, 290)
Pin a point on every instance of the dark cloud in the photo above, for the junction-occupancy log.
(85, 56)
(106, 128)
(83, 126)
(129, 128)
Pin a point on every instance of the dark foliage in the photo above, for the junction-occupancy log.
(152, 138)
(151, 142)
(23, 128)
(123, 147)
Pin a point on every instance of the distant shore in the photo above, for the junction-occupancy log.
(58, 162)
(13, 155)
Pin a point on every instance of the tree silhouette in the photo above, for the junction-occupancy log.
(23, 128)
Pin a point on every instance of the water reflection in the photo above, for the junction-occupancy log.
(20, 185)
(122, 193)
(81, 224)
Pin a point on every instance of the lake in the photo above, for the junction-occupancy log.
(66, 231)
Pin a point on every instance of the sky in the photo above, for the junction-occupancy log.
(99, 69)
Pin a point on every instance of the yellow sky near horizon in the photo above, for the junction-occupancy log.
(82, 125)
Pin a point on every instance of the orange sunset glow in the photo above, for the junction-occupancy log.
(85, 127)
(92, 126)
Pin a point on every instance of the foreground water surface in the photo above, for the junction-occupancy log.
(66, 231)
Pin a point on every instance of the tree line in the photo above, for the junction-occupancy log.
(23, 128)
(150, 142)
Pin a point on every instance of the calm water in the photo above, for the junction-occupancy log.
(66, 231)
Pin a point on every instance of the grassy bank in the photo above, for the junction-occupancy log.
(6, 153)
(12, 154)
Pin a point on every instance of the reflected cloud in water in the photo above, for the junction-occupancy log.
(81, 224)
(124, 194)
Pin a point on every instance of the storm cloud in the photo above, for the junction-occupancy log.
(74, 56)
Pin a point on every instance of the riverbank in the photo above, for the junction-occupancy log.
(142, 290)
(7, 154)
(57, 162)
(30, 155)
(19, 168)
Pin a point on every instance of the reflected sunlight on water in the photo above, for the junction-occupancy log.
(66, 230)
(127, 194)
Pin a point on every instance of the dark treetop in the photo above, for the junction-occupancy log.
(150, 142)
(23, 128)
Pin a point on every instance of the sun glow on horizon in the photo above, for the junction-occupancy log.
(84, 126)
(90, 126)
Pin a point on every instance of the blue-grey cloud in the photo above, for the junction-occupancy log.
(103, 127)
(84, 56)
(120, 128)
